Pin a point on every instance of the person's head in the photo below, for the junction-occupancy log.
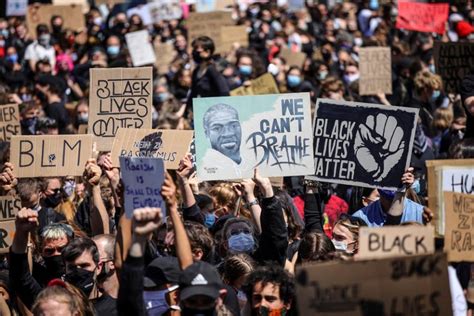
(57, 23)
(428, 86)
(203, 49)
(332, 88)
(180, 43)
(290, 213)
(47, 126)
(244, 64)
(270, 288)
(238, 236)
(351, 73)
(200, 239)
(222, 127)
(106, 246)
(442, 118)
(52, 192)
(315, 246)
(345, 233)
(224, 199)
(369, 195)
(276, 66)
(48, 85)
(82, 112)
(42, 33)
(113, 46)
(29, 191)
(294, 77)
(237, 268)
(54, 238)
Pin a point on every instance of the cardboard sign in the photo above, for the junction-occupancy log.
(16, 7)
(293, 58)
(9, 121)
(213, 5)
(43, 13)
(7, 231)
(395, 241)
(230, 35)
(375, 68)
(459, 237)
(453, 61)
(83, 3)
(50, 155)
(296, 5)
(9, 207)
(142, 178)
(422, 17)
(161, 10)
(169, 145)
(362, 144)
(140, 48)
(233, 136)
(265, 84)
(415, 285)
(82, 129)
(165, 54)
(450, 175)
(99, 2)
(119, 98)
(208, 24)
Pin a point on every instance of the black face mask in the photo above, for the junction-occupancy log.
(57, 28)
(105, 273)
(197, 57)
(82, 279)
(52, 200)
(54, 266)
(29, 125)
(186, 311)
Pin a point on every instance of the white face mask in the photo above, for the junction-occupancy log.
(339, 245)
(273, 69)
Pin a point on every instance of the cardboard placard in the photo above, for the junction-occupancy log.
(233, 136)
(450, 175)
(82, 129)
(50, 155)
(161, 10)
(415, 285)
(16, 7)
(7, 231)
(9, 121)
(362, 144)
(140, 48)
(9, 207)
(453, 62)
(395, 241)
(230, 35)
(43, 13)
(265, 84)
(142, 178)
(208, 24)
(99, 2)
(83, 3)
(213, 5)
(296, 5)
(293, 58)
(422, 17)
(169, 145)
(165, 54)
(118, 98)
(375, 66)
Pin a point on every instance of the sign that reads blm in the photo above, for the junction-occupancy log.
(9, 207)
(169, 145)
(453, 62)
(459, 237)
(119, 98)
(362, 144)
(142, 178)
(375, 70)
(50, 155)
(233, 136)
(9, 121)
(414, 285)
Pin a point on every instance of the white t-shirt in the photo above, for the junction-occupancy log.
(36, 52)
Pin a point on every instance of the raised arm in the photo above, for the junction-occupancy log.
(99, 215)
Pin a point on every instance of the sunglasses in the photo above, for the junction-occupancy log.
(48, 252)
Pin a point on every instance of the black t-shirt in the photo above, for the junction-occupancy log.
(58, 112)
(105, 305)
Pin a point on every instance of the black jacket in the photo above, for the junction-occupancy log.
(211, 84)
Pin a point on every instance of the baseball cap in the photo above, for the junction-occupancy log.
(200, 278)
(162, 270)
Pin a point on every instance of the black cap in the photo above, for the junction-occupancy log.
(200, 278)
(163, 270)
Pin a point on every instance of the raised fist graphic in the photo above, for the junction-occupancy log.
(378, 145)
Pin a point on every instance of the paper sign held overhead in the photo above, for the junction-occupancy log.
(208, 24)
(230, 35)
(142, 178)
(233, 136)
(9, 121)
(375, 67)
(16, 7)
(362, 144)
(169, 145)
(118, 98)
(165, 54)
(161, 10)
(140, 48)
(293, 58)
(43, 13)
(50, 155)
(422, 17)
(265, 84)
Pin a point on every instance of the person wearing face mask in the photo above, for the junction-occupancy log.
(113, 46)
(351, 73)
(296, 83)
(108, 278)
(57, 33)
(29, 112)
(41, 48)
(345, 234)
(82, 113)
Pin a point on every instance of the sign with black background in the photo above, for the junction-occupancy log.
(362, 144)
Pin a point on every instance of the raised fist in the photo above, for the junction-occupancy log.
(146, 220)
(26, 220)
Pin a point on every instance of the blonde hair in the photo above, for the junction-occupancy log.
(426, 80)
(65, 294)
(443, 118)
(224, 195)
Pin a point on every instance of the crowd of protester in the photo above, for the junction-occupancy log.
(224, 248)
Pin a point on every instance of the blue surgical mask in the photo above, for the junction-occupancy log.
(351, 78)
(374, 4)
(339, 245)
(245, 70)
(241, 243)
(416, 186)
(432, 68)
(69, 187)
(322, 75)
(163, 96)
(293, 81)
(387, 194)
(13, 58)
(113, 50)
(155, 302)
(209, 220)
(5, 33)
(435, 95)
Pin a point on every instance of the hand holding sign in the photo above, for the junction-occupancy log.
(7, 177)
(378, 145)
(92, 172)
(168, 191)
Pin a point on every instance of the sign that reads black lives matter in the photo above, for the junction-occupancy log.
(362, 144)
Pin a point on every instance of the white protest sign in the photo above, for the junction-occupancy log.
(164, 10)
(143, 11)
(140, 48)
(16, 7)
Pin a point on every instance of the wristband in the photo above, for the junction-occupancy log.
(252, 203)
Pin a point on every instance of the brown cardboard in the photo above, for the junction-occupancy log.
(119, 98)
(293, 58)
(208, 24)
(165, 55)
(170, 145)
(375, 70)
(230, 35)
(82, 129)
(9, 121)
(9, 207)
(459, 233)
(37, 14)
(265, 84)
(7, 231)
(50, 155)
(415, 285)
(83, 3)
(98, 2)
(395, 241)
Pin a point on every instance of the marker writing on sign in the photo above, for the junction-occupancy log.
(27, 158)
(463, 184)
(406, 244)
(9, 123)
(274, 145)
(461, 237)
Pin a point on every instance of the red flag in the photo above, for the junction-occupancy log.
(422, 17)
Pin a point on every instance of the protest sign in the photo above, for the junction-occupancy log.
(165, 55)
(208, 24)
(140, 48)
(450, 175)
(99, 2)
(213, 5)
(230, 35)
(293, 58)
(16, 7)
(453, 61)
(83, 3)
(50, 155)
(265, 84)
(375, 66)
(395, 241)
(142, 10)
(9, 207)
(9, 121)
(142, 178)
(118, 98)
(422, 17)
(362, 144)
(296, 5)
(415, 285)
(233, 136)
(43, 13)
(169, 145)
(161, 10)
(82, 129)
(459, 237)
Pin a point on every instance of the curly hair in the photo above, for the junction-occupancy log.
(199, 238)
(315, 247)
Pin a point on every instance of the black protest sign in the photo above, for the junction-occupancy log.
(453, 62)
(362, 144)
(9, 121)
(119, 98)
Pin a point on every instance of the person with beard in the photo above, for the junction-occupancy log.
(108, 278)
